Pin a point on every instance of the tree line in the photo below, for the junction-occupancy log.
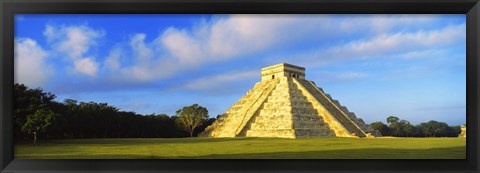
(37, 114)
(403, 128)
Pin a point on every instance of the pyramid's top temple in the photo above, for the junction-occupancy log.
(283, 104)
(283, 69)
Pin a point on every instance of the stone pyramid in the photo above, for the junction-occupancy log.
(285, 105)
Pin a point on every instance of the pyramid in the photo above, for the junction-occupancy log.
(285, 105)
(463, 132)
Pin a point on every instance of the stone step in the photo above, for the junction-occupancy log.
(268, 112)
(279, 91)
(318, 127)
(298, 97)
(284, 111)
(308, 117)
(281, 133)
(275, 103)
(266, 121)
(315, 122)
(336, 102)
(263, 126)
(302, 103)
(352, 115)
(269, 126)
(279, 97)
(268, 117)
(329, 97)
(280, 88)
(283, 84)
(265, 116)
(325, 100)
(296, 92)
(304, 112)
(344, 109)
(299, 110)
(321, 89)
(313, 132)
(242, 111)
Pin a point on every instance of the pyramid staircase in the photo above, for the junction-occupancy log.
(286, 105)
(239, 114)
(286, 113)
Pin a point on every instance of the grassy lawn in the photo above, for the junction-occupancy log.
(246, 148)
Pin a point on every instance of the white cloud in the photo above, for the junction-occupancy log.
(245, 34)
(397, 44)
(30, 63)
(215, 81)
(75, 42)
(147, 63)
(180, 45)
(351, 75)
(178, 49)
(140, 49)
(329, 77)
(239, 36)
(49, 32)
(417, 54)
(381, 23)
(138, 73)
(402, 41)
(86, 66)
(72, 40)
(112, 62)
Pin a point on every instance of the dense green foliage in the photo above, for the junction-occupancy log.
(41, 121)
(36, 110)
(248, 148)
(191, 117)
(403, 128)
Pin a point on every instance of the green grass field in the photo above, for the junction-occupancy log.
(247, 148)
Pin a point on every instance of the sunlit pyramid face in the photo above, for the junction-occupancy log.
(283, 104)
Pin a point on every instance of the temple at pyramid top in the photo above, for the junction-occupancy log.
(286, 105)
(283, 69)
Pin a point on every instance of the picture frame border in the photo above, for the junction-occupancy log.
(8, 9)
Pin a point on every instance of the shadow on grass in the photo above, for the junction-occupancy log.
(371, 153)
(135, 141)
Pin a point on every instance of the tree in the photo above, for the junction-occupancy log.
(407, 129)
(436, 129)
(394, 126)
(380, 127)
(91, 119)
(27, 101)
(392, 120)
(191, 117)
(455, 131)
(42, 121)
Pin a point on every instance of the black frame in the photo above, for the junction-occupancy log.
(8, 8)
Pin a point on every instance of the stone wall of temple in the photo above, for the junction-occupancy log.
(239, 114)
(463, 132)
(274, 119)
(285, 105)
(338, 129)
(326, 101)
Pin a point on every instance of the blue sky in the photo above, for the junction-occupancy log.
(410, 66)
